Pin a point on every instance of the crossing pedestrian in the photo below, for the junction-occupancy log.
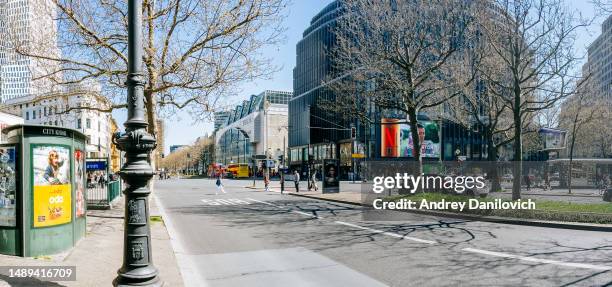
(219, 184)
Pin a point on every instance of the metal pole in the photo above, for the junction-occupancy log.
(137, 268)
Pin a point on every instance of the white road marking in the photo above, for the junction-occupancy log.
(294, 211)
(386, 233)
(263, 202)
(227, 201)
(538, 260)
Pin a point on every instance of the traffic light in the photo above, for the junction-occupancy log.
(353, 133)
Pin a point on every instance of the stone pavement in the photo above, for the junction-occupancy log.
(99, 254)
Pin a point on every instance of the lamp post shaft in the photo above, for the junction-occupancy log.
(137, 268)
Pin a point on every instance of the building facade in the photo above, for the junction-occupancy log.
(599, 63)
(80, 107)
(30, 26)
(258, 126)
(315, 133)
(221, 118)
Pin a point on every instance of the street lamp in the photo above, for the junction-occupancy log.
(137, 268)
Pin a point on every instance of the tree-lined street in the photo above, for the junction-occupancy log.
(249, 237)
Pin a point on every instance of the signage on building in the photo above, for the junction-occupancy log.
(553, 139)
(95, 165)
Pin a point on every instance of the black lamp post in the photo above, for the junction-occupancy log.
(137, 268)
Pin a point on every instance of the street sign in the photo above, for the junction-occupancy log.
(259, 156)
(358, 155)
(270, 163)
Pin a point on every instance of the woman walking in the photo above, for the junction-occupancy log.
(219, 184)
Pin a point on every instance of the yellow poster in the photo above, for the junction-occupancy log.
(52, 205)
(52, 189)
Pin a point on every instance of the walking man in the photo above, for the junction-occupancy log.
(296, 180)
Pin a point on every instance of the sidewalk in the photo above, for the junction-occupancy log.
(98, 255)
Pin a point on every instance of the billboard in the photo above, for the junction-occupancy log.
(51, 185)
(553, 139)
(8, 186)
(79, 176)
(331, 182)
(396, 138)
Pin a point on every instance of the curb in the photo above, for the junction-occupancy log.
(561, 194)
(494, 219)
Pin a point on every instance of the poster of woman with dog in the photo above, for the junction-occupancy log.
(52, 188)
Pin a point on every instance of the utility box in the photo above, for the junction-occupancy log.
(42, 190)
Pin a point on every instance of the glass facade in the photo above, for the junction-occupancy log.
(233, 146)
(316, 133)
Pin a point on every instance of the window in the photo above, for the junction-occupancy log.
(27, 116)
(79, 124)
(33, 115)
(88, 123)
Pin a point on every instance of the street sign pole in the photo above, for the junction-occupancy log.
(137, 268)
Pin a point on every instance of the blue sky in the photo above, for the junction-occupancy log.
(181, 129)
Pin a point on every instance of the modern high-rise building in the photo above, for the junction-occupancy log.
(599, 63)
(27, 26)
(316, 133)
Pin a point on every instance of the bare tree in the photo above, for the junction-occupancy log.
(604, 6)
(534, 39)
(195, 52)
(579, 111)
(400, 56)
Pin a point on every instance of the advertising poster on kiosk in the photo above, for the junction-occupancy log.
(396, 139)
(8, 186)
(51, 185)
(331, 184)
(79, 176)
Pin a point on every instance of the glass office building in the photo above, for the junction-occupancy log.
(316, 133)
(268, 129)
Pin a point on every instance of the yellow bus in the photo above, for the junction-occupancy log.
(239, 170)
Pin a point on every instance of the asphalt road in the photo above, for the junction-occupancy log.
(249, 237)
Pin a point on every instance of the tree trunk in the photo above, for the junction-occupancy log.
(518, 147)
(571, 159)
(152, 127)
(492, 158)
(416, 142)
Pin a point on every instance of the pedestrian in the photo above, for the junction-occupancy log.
(314, 180)
(527, 181)
(219, 184)
(282, 181)
(101, 180)
(296, 180)
(267, 183)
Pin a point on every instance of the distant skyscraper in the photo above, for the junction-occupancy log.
(599, 63)
(30, 26)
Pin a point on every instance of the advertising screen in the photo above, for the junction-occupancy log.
(396, 138)
(7, 186)
(52, 188)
